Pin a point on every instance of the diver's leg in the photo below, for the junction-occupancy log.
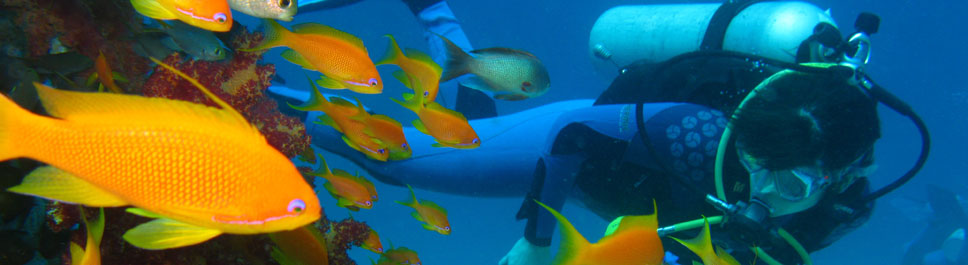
(436, 18)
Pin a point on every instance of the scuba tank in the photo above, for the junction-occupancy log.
(654, 33)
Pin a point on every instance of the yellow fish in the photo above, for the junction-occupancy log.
(372, 242)
(301, 246)
(420, 72)
(630, 240)
(448, 127)
(351, 192)
(201, 171)
(341, 57)
(91, 254)
(343, 116)
(211, 15)
(702, 246)
(433, 216)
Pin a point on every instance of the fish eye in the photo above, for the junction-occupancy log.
(218, 52)
(369, 203)
(476, 140)
(447, 228)
(426, 93)
(220, 17)
(373, 82)
(404, 145)
(296, 206)
(382, 151)
(284, 3)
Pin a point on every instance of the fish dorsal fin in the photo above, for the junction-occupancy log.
(105, 107)
(702, 243)
(436, 106)
(502, 50)
(648, 222)
(422, 57)
(387, 119)
(320, 29)
(433, 205)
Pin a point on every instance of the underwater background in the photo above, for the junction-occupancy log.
(919, 54)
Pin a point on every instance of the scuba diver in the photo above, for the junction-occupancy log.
(778, 141)
(942, 242)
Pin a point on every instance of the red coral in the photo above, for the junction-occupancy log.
(61, 216)
(241, 83)
(343, 235)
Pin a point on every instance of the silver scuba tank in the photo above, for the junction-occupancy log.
(625, 34)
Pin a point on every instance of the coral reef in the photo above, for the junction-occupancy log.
(241, 83)
(86, 26)
(341, 236)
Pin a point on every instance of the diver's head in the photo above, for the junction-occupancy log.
(803, 135)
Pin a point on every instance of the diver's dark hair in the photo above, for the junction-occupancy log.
(801, 118)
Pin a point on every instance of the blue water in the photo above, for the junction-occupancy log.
(918, 54)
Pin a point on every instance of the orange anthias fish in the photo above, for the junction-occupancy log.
(448, 127)
(301, 246)
(341, 57)
(702, 246)
(103, 73)
(420, 72)
(212, 15)
(351, 192)
(634, 241)
(340, 115)
(401, 255)
(433, 216)
(201, 171)
(372, 242)
(386, 130)
(91, 254)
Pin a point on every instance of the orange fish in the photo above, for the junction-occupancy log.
(304, 245)
(420, 72)
(341, 57)
(386, 130)
(401, 255)
(630, 240)
(340, 115)
(433, 216)
(91, 254)
(448, 127)
(702, 246)
(372, 242)
(351, 192)
(211, 15)
(201, 171)
(103, 73)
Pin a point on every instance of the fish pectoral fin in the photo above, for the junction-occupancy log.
(77, 254)
(166, 233)
(296, 58)
(420, 126)
(55, 184)
(352, 144)
(330, 83)
(403, 78)
(332, 190)
(152, 9)
(328, 121)
(429, 227)
(438, 144)
(417, 216)
(343, 202)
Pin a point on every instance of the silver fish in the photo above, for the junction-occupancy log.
(273, 9)
(510, 74)
(199, 43)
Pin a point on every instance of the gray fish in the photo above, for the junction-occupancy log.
(273, 9)
(510, 74)
(199, 43)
